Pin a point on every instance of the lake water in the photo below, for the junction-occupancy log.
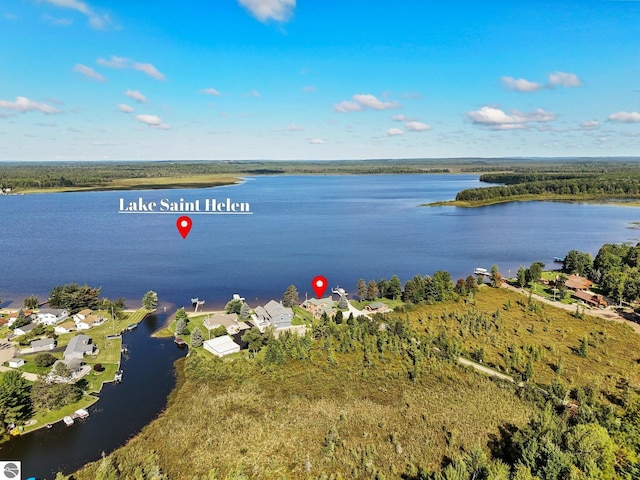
(342, 227)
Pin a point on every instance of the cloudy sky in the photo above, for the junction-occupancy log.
(318, 79)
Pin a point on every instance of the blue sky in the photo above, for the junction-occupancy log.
(282, 79)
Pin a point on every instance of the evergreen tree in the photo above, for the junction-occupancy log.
(181, 326)
(361, 289)
(245, 312)
(291, 297)
(521, 276)
(372, 290)
(197, 338)
(30, 302)
(394, 289)
(496, 277)
(150, 300)
(15, 398)
(342, 303)
(182, 315)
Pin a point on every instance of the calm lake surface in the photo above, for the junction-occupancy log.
(342, 227)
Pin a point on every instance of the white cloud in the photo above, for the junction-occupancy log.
(89, 73)
(294, 128)
(148, 69)
(417, 126)
(399, 118)
(392, 132)
(590, 125)
(125, 108)
(58, 22)
(122, 62)
(362, 101)
(96, 21)
(496, 119)
(316, 141)
(136, 95)
(153, 121)
(254, 93)
(521, 85)
(562, 79)
(625, 117)
(23, 105)
(264, 10)
(210, 91)
(372, 102)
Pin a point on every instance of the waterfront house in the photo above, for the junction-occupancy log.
(221, 346)
(23, 330)
(275, 314)
(78, 347)
(226, 320)
(89, 321)
(578, 283)
(65, 327)
(43, 345)
(318, 306)
(591, 299)
(51, 316)
(13, 316)
(77, 368)
(16, 362)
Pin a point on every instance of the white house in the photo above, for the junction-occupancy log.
(23, 330)
(90, 321)
(65, 327)
(51, 316)
(16, 362)
(43, 345)
(221, 346)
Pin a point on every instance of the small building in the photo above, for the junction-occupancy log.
(51, 316)
(578, 283)
(78, 347)
(23, 330)
(65, 327)
(377, 307)
(591, 299)
(226, 320)
(43, 345)
(16, 362)
(221, 346)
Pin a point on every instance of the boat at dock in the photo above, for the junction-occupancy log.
(68, 421)
(81, 413)
(118, 376)
(179, 342)
(133, 326)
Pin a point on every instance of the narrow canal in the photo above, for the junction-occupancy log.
(122, 411)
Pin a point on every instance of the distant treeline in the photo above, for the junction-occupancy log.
(592, 186)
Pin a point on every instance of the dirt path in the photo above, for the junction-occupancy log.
(606, 313)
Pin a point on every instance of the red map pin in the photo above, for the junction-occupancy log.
(319, 285)
(184, 226)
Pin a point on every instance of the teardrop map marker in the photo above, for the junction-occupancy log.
(184, 226)
(319, 285)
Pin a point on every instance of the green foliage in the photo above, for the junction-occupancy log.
(343, 304)
(245, 311)
(583, 349)
(361, 289)
(150, 300)
(577, 262)
(216, 332)
(21, 320)
(181, 327)
(197, 337)
(15, 399)
(521, 276)
(74, 297)
(182, 315)
(44, 359)
(291, 297)
(496, 277)
(53, 395)
(254, 339)
(30, 302)
(234, 306)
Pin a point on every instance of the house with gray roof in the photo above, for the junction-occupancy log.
(78, 347)
(274, 313)
(23, 330)
(43, 345)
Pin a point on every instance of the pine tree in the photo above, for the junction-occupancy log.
(361, 289)
(197, 338)
(150, 300)
(291, 297)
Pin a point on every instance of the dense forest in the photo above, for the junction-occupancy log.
(69, 176)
